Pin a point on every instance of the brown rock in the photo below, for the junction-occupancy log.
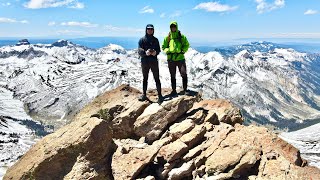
(225, 111)
(245, 147)
(53, 157)
(219, 134)
(156, 117)
(101, 143)
(120, 106)
(127, 165)
(182, 172)
(177, 130)
(194, 136)
(173, 150)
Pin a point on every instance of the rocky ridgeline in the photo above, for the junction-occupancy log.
(118, 137)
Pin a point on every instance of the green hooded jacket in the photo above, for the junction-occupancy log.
(177, 46)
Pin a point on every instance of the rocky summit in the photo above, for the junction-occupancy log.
(118, 137)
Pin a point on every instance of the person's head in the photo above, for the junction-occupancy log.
(149, 29)
(173, 26)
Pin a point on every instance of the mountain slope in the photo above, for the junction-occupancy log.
(271, 84)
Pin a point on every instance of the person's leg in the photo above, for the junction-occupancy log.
(172, 70)
(183, 72)
(155, 72)
(145, 73)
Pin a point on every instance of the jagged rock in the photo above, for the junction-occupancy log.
(181, 172)
(225, 111)
(218, 135)
(256, 149)
(86, 144)
(120, 106)
(177, 130)
(173, 151)
(194, 136)
(147, 178)
(117, 137)
(129, 164)
(155, 117)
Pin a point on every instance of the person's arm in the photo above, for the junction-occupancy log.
(165, 45)
(141, 51)
(158, 47)
(185, 44)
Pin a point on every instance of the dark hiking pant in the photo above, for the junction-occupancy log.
(154, 66)
(183, 72)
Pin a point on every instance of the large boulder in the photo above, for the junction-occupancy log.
(155, 118)
(224, 110)
(85, 144)
(119, 106)
(118, 137)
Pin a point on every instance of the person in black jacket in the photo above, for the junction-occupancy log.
(148, 50)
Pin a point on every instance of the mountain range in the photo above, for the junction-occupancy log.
(43, 86)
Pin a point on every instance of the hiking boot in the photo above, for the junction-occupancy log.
(173, 93)
(185, 92)
(160, 99)
(143, 97)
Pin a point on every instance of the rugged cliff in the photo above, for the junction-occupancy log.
(118, 137)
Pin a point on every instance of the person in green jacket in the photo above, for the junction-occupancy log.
(175, 45)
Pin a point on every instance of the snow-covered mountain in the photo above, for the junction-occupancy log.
(270, 83)
(49, 83)
(307, 140)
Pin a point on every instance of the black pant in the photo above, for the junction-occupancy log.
(154, 66)
(183, 72)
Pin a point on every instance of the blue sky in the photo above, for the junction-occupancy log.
(198, 19)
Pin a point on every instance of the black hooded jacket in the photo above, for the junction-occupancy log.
(148, 42)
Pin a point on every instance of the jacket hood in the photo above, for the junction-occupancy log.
(149, 26)
(174, 23)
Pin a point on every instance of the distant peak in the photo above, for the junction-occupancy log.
(23, 42)
(62, 43)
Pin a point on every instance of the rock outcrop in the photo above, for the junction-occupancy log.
(118, 137)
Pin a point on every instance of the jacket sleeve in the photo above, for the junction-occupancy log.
(158, 47)
(165, 45)
(185, 44)
(141, 51)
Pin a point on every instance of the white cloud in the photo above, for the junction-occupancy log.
(78, 6)
(296, 35)
(215, 7)
(162, 15)
(6, 4)
(263, 6)
(52, 23)
(122, 29)
(146, 9)
(310, 12)
(69, 32)
(38, 4)
(24, 22)
(176, 14)
(9, 20)
(81, 24)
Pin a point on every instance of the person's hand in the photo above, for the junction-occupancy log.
(154, 53)
(166, 50)
(148, 52)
